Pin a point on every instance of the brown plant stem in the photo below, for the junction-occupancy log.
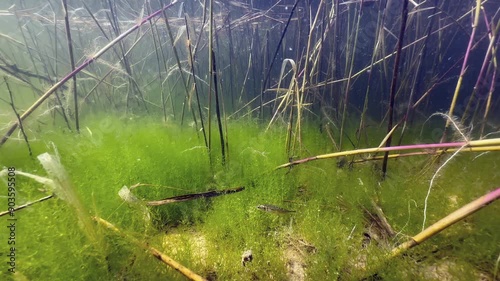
(19, 121)
(266, 77)
(187, 197)
(191, 64)
(72, 62)
(217, 109)
(179, 66)
(394, 82)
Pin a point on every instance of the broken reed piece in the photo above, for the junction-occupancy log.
(452, 218)
(193, 196)
(384, 223)
(157, 254)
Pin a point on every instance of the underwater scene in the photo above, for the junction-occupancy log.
(249, 140)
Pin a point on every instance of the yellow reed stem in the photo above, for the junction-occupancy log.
(439, 151)
(159, 255)
(447, 221)
(495, 65)
(464, 66)
(475, 143)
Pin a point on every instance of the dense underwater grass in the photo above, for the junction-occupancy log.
(329, 236)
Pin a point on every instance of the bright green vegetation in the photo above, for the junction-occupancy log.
(322, 239)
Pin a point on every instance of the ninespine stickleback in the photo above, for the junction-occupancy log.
(273, 209)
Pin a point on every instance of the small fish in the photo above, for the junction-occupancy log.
(273, 209)
(246, 257)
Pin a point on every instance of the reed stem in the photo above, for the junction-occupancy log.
(19, 121)
(475, 143)
(217, 109)
(464, 67)
(404, 17)
(447, 221)
(72, 62)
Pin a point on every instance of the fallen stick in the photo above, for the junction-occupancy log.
(193, 196)
(157, 254)
(384, 223)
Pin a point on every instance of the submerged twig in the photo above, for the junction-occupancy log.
(187, 197)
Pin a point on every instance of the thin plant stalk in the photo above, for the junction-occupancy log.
(217, 109)
(266, 77)
(349, 77)
(376, 47)
(301, 93)
(124, 59)
(191, 64)
(492, 85)
(210, 69)
(395, 81)
(72, 62)
(488, 100)
(245, 79)
(464, 67)
(178, 61)
(265, 61)
(417, 78)
(157, 45)
(232, 66)
(489, 52)
(19, 121)
(31, 56)
(379, 61)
